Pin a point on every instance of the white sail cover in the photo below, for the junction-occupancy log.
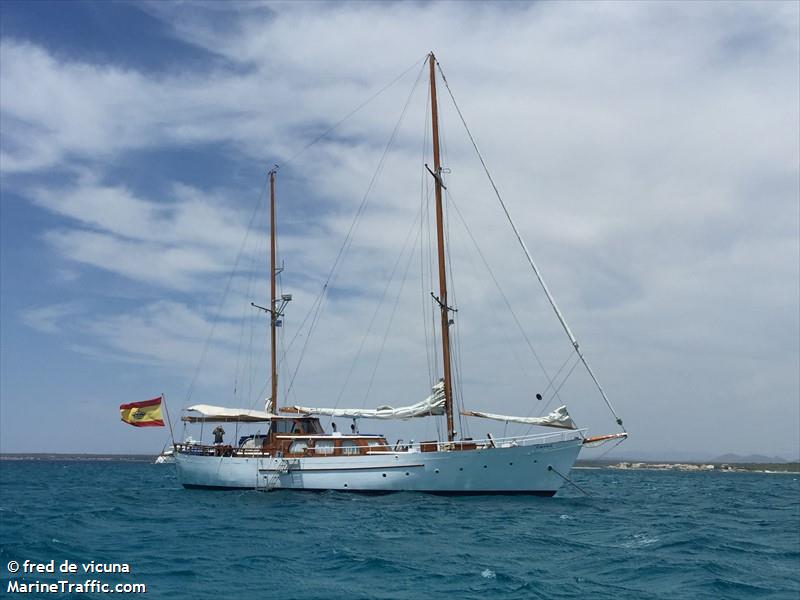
(558, 418)
(208, 412)
(432, 405)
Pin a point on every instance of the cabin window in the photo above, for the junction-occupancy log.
(252, 441)
(282, 426)
(298, 447)
(323, 447)
(349, 447)
(376, 443)
(301, 426)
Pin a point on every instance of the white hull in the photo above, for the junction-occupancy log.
(523, 469)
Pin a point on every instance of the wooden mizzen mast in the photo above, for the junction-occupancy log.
(442, 300)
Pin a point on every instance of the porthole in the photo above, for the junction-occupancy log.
(407, 473)
(510, 464)
(484, 466)
(436, 471)
(384, 474)
(345, 485)
(460, 468)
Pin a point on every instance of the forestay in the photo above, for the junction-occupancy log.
(431, 406)
(558, 418)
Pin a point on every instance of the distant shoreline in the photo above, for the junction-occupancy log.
(691, 466)
(74, 456)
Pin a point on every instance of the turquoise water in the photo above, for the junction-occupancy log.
(640, 535)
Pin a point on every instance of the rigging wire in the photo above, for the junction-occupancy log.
(204, 352)
(279, 342)
(424, 224)
(529, 256)
(291, 344)
(251, 370)
(254, 317)
(206, 344)
(426, 259)
(550, 381)
(556, 390)
(457, 388)
(377, 310)
(455, 354)
(348, 240)
(509, 344)
(355, 110)
(281, 336)
(394, 310)
(243, 320)
(258, 357)
(432, 284)
(551, 384)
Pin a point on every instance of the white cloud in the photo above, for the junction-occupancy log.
(172, 243)
(648, 152)
(49, 319)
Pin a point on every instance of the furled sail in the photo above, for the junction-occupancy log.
(558, 418)
(432, 405)
(211, 413)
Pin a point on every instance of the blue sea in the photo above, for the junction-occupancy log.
(641, 534)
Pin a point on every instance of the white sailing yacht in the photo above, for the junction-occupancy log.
(296, 453)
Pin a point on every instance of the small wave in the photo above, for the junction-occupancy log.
(564, 517)
(639, 540)
(488, 574)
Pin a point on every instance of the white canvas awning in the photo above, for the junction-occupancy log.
(207, 412)
(558, 418)
(431, 406)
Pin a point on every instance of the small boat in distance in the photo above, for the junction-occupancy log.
(167, 457)
(292, 450)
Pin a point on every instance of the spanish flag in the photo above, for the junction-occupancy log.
(142, 414)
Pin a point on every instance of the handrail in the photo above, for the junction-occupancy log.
(517, 440)
(503, 442)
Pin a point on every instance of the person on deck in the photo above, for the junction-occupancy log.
(219, 434)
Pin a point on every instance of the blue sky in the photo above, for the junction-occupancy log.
(649, 153)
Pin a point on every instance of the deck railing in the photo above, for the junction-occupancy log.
(200, 449)
(506, 442)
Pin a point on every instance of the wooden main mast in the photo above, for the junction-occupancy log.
(273, 310)
(445, 310)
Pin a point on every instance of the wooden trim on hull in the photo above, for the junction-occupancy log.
(216, 488)
(342, 469)
(220, 488)
(544, 493)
